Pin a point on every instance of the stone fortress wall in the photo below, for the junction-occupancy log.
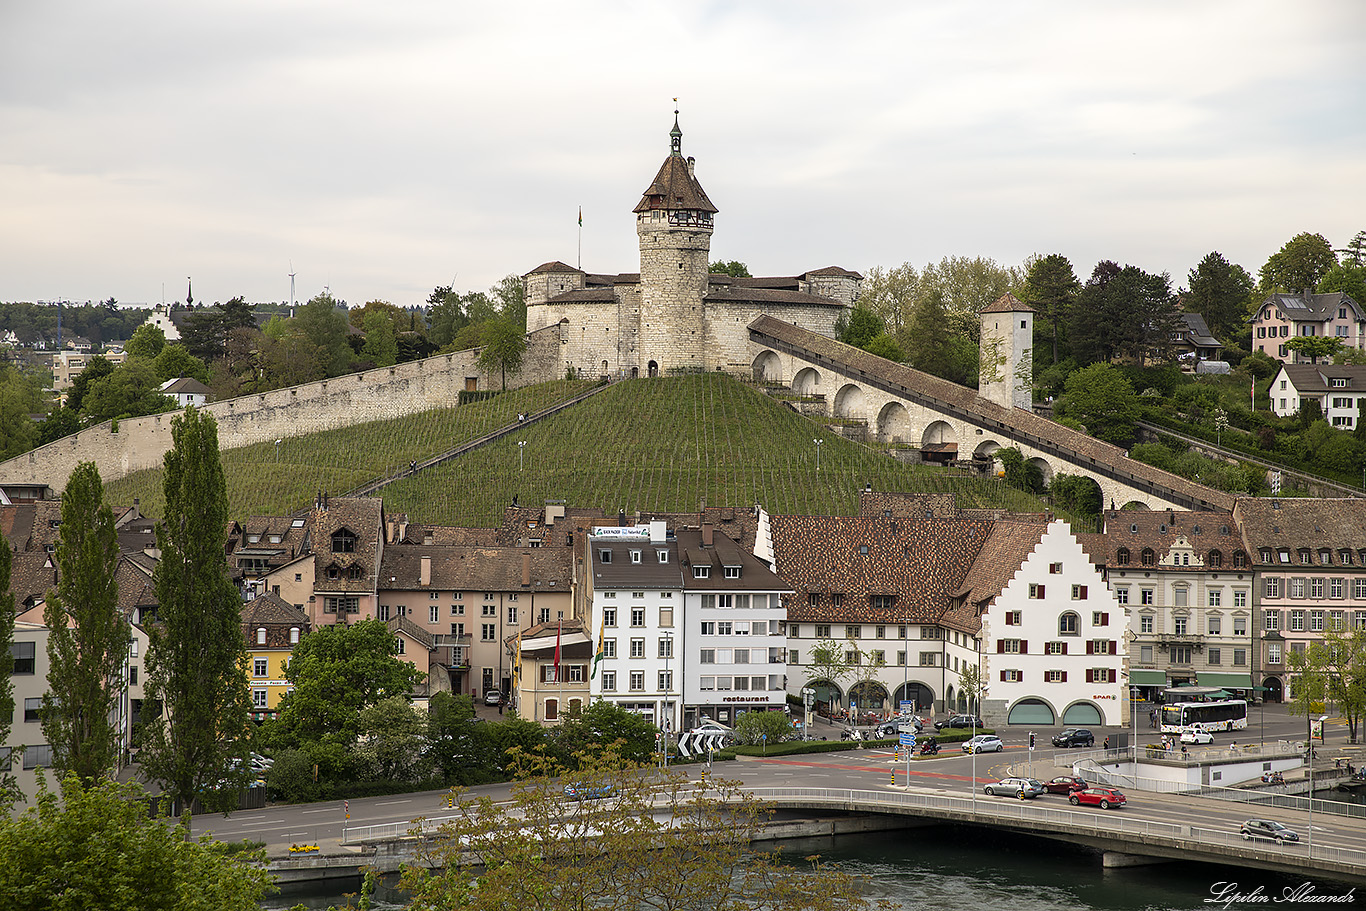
(121, 448)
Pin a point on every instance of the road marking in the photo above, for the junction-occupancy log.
(390, 803)
(328, 810)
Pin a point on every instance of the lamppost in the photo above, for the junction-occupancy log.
(277, 449)
(818, 443)
(808, 700)
(521, 447)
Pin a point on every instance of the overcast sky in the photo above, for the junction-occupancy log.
(383, 148)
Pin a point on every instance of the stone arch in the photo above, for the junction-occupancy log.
(1045, 469)
(829, 695)
(768, 367)
(894, 423)
(807, 381)
(850, 402)
(918, 694)
(868, 696)
(652, 368)
(1273, 690)
(1135, 504)
(1083, 712)
(986, 450)
(939, 442)
(1031, 710)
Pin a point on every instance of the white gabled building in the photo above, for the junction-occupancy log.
(1053, 646)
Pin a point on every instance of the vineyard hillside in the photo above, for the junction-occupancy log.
(661, 444)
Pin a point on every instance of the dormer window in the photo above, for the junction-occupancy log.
(1148, 557)
(701, 572)
(293, 635)
(732, 572)
(1338, 383)
(1122, 557)
(260, 635)
(253, 539)
(343, 541)
(355, 572)
(1306, 556)
(635, 556)
(604, 556)
(274, 539)
(663, 556)
(333, 571)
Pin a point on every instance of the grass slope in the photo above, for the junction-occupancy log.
(664, 444)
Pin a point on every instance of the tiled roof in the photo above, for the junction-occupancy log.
(32, 573)
(457, 567)
(1007, 303)
(553, 266)
(674, 187)
(1198, 331)
(414, 632)
(620, 572)
(585, 296)
(1001, 556)
(136, 588)
(1338, 524)
(270, 609)
(1136, 530)
(1311, 378)
(921, 562)
(363, 517)
(1312, 307)
(1038, 431)
(768, 296)
(722, 552)
(834, 270)
(449, 534)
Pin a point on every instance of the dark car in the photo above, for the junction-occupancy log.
(1267, 828)
(1105, 798)
(959, 721)
(1074, 737)
(1065, 784)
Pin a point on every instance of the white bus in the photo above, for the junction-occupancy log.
(1221, 715)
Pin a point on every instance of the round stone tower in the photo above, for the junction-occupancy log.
(674, 224)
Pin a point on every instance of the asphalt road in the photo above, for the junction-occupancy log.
(952, 773)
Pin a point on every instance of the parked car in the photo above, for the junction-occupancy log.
(1267, 828)
(1074, 737)
(493, 697)
(1066, 784)
(959, 721)
(589, 791)
(1105, 798)
(1023, 788)
(1197, 737)
(892, 726)
(983, 743)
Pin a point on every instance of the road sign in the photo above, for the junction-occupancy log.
(907, 707)
(908, 740)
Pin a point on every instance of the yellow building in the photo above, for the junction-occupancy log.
(272, 628)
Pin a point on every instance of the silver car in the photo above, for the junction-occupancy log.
(1023, 788)
(983, 743)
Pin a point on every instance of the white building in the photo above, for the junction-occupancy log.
(1336, 387)
(1053, 644)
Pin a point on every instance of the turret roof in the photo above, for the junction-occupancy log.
(675, 187)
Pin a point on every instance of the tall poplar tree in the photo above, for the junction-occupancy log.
(196, 653)
(9, 788)
(88, 637)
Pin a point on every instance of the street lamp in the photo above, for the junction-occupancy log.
(668, 689)
(818, 443)
(521, 447)
(277, 449)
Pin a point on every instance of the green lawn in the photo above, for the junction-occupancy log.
(665, 444)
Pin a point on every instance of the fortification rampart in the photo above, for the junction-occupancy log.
(119, 449)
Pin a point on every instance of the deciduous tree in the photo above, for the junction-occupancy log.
(146, 342)
(1299, 264)
(1315, 346)
(646, 839)
(1100, 397)
(196, 654)
(504, 346)
(381, 346)
(89, 636)
(98, 848)
(827, 663)
(326, 328)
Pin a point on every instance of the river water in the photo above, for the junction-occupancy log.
(967, 869)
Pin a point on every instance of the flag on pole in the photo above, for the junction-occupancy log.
(1254, 393)
(602, 648)
(580, 216)
(517, 663)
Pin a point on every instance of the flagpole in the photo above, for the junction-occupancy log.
(579, 265)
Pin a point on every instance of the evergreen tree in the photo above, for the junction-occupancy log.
(1220, 291)
(89, 637)
(9, 790)
(196, 654)
(1051, 289)
(928, 344)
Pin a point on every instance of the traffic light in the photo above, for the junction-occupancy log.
(1031, 740)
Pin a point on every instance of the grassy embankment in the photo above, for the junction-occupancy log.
(663, 444)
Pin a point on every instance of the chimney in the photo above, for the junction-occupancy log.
(692, 166)
(426, 573)
(526, 570)
(706, 534)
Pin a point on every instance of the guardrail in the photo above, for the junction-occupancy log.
(1260, 797)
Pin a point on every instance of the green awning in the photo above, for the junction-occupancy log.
(1148, 678)
(1228, 681)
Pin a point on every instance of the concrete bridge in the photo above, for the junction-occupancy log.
(942, 421)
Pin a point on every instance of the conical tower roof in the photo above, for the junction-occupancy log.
(675, 187)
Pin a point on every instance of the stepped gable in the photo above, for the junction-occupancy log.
(1004, 552)
(1134, 530)
(922, 563)
(1007, 303)
(988, 413)
(1275, 524)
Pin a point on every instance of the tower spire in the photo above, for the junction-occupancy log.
(676, 136)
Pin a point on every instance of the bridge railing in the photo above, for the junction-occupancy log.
(1258, 797)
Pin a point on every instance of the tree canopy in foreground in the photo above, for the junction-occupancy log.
(610, 836)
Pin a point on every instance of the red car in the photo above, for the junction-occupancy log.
(1065, 784)
(1105, 798)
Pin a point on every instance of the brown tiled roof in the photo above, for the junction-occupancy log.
(768, 296)
(1007, 303)
(674, 187)
(450, 534)
(891, 504)
(1292, 524)
(270, 609)
(363, 517)
(32, 573)
(723, 551)
(1136, 530)
(1313, 378)
(585, 296)
(16, 524)
(1012, 423)
(457, 567)
(921, 562)
(1001, 556)
(410, 629)
(552, 266)
(834, 270)
(136, 588)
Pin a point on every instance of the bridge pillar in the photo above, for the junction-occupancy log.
(1115, 859)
